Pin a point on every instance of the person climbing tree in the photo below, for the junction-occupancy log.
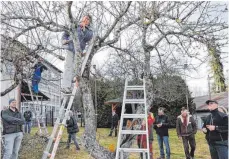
(38, 69)
(85, 34)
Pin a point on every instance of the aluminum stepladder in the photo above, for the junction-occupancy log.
(120, 150)
(52, 138)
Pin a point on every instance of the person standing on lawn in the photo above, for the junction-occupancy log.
(114, 124)
(72, 129)
(142, 140)
(186, 129)
(161, 126)
(216, 129)
(12, 121)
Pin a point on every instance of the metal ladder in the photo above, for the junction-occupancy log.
(52, 138)
(62, 124)
(43, 131)
(120, 150)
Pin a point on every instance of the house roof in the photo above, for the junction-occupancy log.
(49, 65)
(221, 98)
(114, 101)
(20, 48)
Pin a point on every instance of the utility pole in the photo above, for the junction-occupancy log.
(19, 92)
(209, 87)
(186, 87)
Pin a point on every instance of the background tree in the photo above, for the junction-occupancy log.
(216, 67)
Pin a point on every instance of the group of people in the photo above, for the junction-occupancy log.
(215, 127)
(13, 121)
(85, 34)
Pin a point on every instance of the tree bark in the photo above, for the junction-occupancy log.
(89, 136)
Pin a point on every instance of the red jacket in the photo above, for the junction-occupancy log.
(151, 120)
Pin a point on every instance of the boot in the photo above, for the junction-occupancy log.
(115, 132)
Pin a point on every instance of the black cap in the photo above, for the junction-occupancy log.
(208, 101)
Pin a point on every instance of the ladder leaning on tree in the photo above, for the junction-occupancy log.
(55, 137)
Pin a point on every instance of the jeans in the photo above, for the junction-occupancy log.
(73, 137)
(68, 70)
(160, 140)
(189, 140)
(35, 83)
(28, 125)
(219, 149)
(12, 145)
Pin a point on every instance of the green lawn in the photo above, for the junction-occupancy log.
(34, 148)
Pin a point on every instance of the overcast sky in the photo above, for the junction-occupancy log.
(197, 80)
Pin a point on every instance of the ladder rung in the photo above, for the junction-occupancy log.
(133, 115)
(69, 94)
(132, 150)
(140, 101)
(134, 88)
(133, 132)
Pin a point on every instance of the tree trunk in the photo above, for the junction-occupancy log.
(89, 136)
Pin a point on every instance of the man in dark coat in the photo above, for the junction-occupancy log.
(72, 129)
(28, 118)
(12, 121)
(114, 123)
(161, 126)
(216, 129)
(186, 130)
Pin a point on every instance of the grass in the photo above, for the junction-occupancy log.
(35, 151)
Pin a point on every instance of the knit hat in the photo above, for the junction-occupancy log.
(11, 100)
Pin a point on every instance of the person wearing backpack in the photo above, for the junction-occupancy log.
(72, 129)
(28, 123)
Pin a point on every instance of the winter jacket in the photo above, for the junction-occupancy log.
(27, 115)
(220, 120)
(140, 138)
(84, 37)
(163, 130)
(12, 121)
(72, 126)
(39, 68)
(182, 129)
(115, 119)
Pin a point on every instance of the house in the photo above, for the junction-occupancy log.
(201, 107)
(49, 87)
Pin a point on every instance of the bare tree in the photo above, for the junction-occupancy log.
(40, 23)
(154, 38)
